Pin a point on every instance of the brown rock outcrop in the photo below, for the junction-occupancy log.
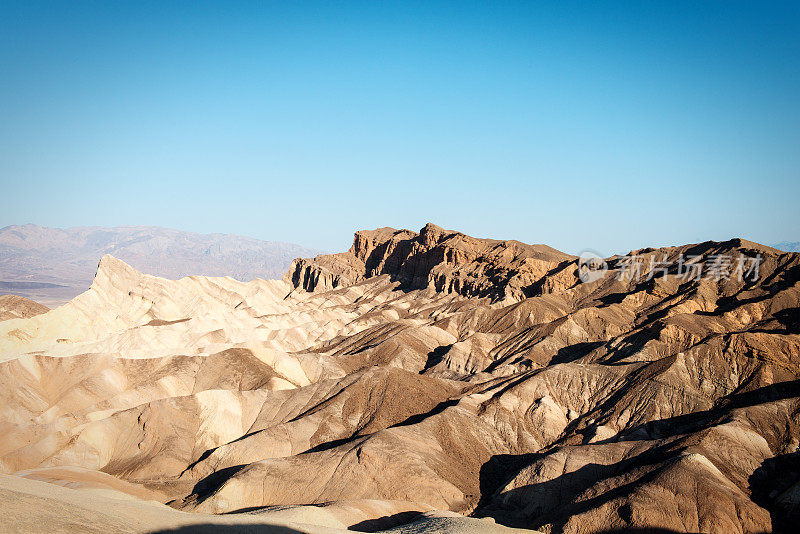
(14, 307)
(448, 262)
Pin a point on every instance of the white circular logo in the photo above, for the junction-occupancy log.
(591, 266)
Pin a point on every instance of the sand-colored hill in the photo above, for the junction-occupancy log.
(415, 380)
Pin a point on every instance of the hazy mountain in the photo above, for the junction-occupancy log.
(414, 379)
(52, 265)
(788, 246)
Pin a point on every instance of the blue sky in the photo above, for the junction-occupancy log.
(610, 126)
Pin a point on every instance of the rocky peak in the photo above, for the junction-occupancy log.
(434, 258)
(115, 277)
(111, 267)
(431, 235)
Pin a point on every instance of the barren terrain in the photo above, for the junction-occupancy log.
(422, 382)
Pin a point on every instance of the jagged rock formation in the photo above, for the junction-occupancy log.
(421, 375)
(448, 262)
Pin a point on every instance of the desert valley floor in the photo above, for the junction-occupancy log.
(420, 382)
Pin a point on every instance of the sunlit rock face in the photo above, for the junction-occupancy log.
(419, 378)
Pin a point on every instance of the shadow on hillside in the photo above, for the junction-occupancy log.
(385, 522)
(697, 421)
(769, 482)
(553, 502)
(574, 352)
(213, 482)
(211, 528)
(436, 356)
(776, 282)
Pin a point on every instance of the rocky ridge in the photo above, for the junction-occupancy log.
(434, 258)
(425, 373)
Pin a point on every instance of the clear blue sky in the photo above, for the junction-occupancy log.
(603, 125)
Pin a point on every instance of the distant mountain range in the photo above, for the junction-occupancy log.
(788, 246)
(53, 265)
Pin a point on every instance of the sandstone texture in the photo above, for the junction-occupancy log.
(419, 382)
(16, 307)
